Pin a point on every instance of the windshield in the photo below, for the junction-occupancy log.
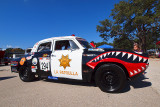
(84, 43)
(28, 50)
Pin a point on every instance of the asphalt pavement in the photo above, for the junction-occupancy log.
(145, 91)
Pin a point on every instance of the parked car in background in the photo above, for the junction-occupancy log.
(3, 59)
(151, 52)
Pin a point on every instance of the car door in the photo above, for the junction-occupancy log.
(43, 55)
(66, 60)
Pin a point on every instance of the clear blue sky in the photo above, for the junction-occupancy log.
(24, 22)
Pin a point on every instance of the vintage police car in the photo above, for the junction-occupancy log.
(74, 58)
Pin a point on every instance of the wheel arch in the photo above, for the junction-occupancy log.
(116, 63)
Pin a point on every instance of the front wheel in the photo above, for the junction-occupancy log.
(110, 78)
(25, 74)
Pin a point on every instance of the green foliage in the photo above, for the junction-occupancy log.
(123, 43)
(136, 19)
(102, 43)
(9, 51)
(17, 50)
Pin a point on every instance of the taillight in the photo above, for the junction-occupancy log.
(33, 67)
(14, 63)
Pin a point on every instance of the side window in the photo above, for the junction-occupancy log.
(73, 45)
(62, 45)
(44, 47)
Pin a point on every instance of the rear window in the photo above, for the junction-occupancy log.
(44, 47)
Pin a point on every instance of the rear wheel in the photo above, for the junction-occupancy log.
(110, 78)
(25, 74)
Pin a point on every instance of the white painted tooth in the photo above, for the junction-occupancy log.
(144, 59)
(101, 56)
(113, 53)
(140, 58)
(134, 57)
(135, 72)
(109, 53)
(117, 53)
(139, 70)
(123, 53)
(131, 73)
(129, 55)
(95, 60)
(98, 58)
(142, 68)
(105, 55)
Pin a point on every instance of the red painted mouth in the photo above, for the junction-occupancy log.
(135, 65)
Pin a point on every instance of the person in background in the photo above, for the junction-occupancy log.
(93, 44)
(159, 52)
(136, 48)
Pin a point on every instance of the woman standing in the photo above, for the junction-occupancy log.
(136, 48)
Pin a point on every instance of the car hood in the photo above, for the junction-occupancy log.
(18, 59)
(99, 51)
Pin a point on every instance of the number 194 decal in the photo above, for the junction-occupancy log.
(44, 63)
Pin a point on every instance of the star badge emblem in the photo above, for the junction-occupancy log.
(64, 61)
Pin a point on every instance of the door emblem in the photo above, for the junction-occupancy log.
(64, 61)
(34, 61)
(22, 61)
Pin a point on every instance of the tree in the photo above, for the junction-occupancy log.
(102, 43)
(123, 43)
(135, 19)
(9, 51)
(18, 50)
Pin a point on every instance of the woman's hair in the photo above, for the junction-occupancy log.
(136, 44)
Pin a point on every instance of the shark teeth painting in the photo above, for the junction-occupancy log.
(122, 55)
(134, 63)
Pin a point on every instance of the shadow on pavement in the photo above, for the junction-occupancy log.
(70, 82)
(3, 69)
(9, 77)
(138, 83)
(2, 65)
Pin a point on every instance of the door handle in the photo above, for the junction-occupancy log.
(53, 55)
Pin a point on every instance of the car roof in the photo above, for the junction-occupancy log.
(61, 37)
